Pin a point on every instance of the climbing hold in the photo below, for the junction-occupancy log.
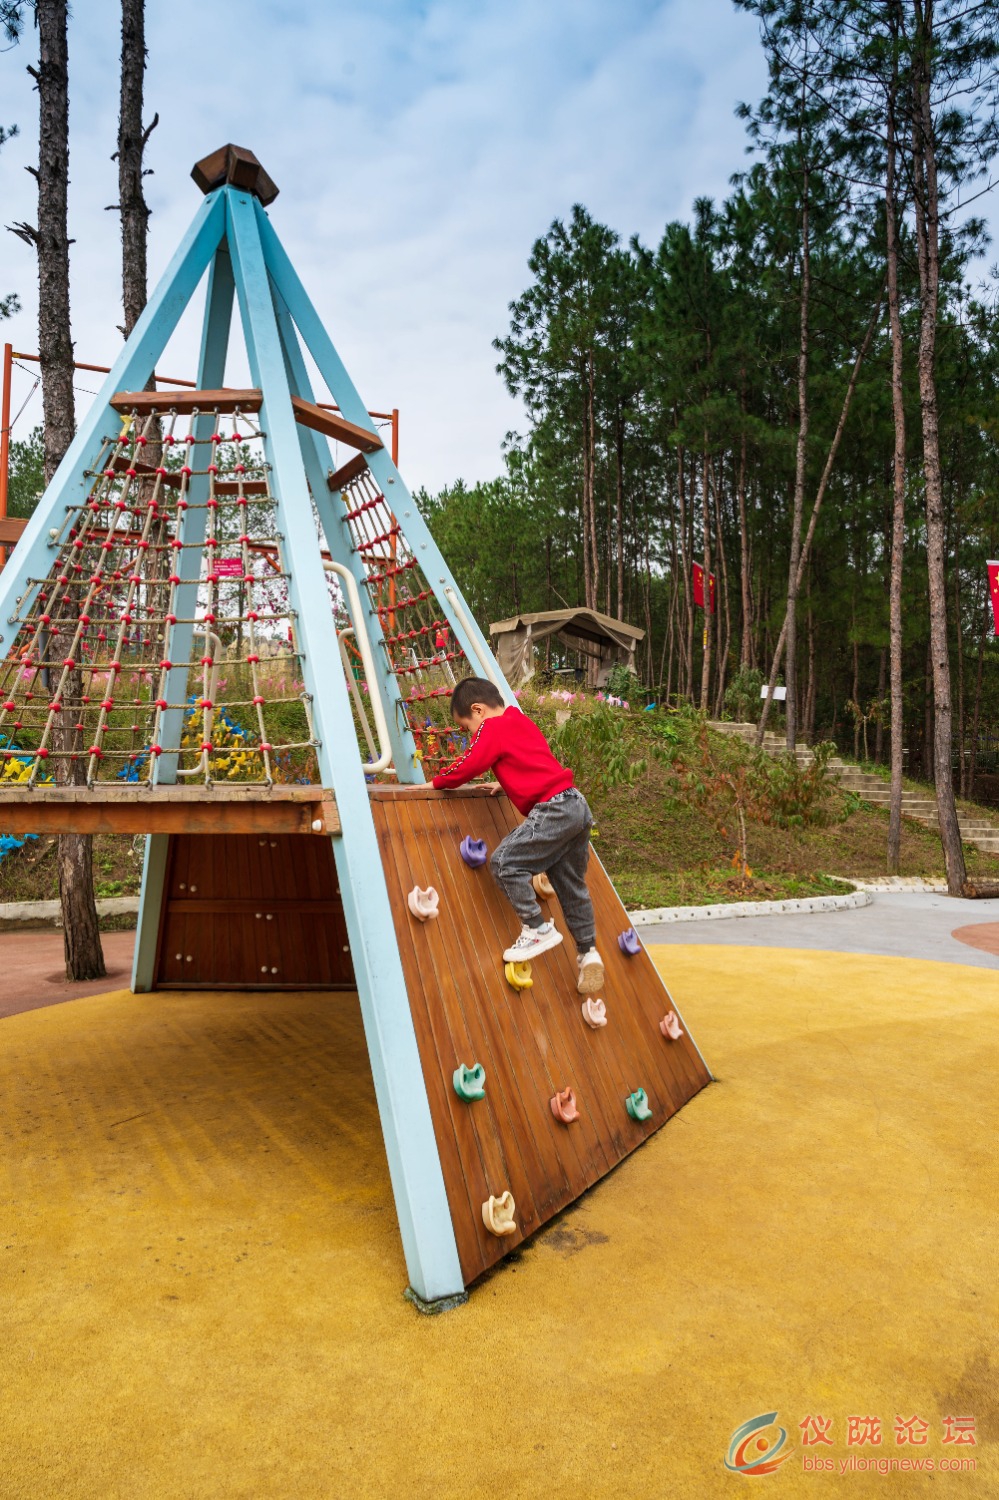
(543, 887)
(637, 1105)
(470, 1083)
(594, 1013)
(497, 1214)
(473, 851)
(670, 1026)
(629, 942)
(424, 904)
(564, 1106)
(518, 976)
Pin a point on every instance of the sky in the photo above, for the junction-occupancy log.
(420, 149)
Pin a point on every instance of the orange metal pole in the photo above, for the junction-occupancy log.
(395, 436)
(8, 359)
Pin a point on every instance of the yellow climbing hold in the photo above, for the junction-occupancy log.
(518, 976)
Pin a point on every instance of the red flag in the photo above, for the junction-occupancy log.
(993, 568)
(699, 587)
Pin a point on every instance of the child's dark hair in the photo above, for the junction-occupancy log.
(474, 690)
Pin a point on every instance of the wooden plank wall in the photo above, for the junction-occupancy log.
(530, 1043)
(248, 911)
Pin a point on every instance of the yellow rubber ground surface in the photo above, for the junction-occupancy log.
(202, 1277)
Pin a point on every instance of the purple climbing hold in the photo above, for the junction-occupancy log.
(473, 851)
(629, 942)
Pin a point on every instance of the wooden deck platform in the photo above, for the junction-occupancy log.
(131, 808)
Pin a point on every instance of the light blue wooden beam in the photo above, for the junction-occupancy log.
(411, 1148)
(317, 458)
(211, 373)
(32, 557)
(390, 481)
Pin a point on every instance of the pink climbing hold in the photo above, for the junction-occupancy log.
(564, 1106)
(594, 1013)
(424, 904)
(670, 1026)
(629, 942)
(473, 851)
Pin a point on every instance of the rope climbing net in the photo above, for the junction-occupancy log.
(161, 641)
(420, 646)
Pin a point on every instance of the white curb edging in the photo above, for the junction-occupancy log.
(16, 913)
(653, 918)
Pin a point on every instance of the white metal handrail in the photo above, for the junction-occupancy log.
(364, 646)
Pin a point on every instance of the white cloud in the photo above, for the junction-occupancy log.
(420, 149)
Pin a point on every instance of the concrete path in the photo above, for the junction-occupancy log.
(33, 971)
(897, 924)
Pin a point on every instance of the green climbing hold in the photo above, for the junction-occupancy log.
(470, 1083)
(637, 1105)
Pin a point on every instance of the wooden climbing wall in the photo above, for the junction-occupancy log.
(247, 911)
(531, 1042)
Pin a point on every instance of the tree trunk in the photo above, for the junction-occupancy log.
(132, 138)
(688, 638)
(879, 732)
(801, 458)
(706, 537)
(813, 522)
(746, 649)
(897, 730)
(81, 933)
(928, 255)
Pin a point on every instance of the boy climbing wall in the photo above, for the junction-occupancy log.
(554, 839)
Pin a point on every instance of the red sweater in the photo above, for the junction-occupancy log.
(513, 747)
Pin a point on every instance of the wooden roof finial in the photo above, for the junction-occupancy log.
(239, 168)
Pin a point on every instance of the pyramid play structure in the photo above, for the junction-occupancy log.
(228, 628)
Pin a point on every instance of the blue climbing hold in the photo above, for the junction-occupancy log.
(473, 851)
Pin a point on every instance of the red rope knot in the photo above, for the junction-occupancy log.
(206, 661)
(10, 706)
(257, 699)
(213, 468)
(181, 504)
(143, 546)
(134, 578)
(211, 578)
(253, 658)
(96, 751)
(132, 473)
(45, 619)
(265, 746)
(217, 437)
(244, 537)
(123, 437)
(162, 472)
(207, 747)
(84, 619)
(188, 439)
(166, 666)
(109, 473)
(206, 703)
(237, 437)
(142, 441)
(108, 703)
(174, 578)
(156, 749)
(171, 620)
(42, 754)
(159, 703)
(239, 468)
(242, 500)
(251, 614)
(169, 438)
(210, 619)
(78, 545)
(69, 662)
(176, 545)
(55, 707)
(114, 666)
(184, 469)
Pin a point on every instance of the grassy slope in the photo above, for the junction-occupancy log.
(660, 849)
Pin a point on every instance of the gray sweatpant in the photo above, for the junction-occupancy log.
(553, 839)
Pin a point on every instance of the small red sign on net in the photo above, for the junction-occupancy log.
(229, 567)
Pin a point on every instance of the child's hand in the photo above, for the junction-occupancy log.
(495, 789)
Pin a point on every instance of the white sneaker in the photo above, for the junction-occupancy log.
(591, 973)
(532, 941)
